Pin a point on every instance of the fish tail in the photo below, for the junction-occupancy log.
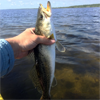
(45, 97)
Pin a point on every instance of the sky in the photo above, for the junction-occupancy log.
(18, 4)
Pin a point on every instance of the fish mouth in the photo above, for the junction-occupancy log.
(47, 10)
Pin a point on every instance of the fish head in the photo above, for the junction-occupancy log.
(46, 11)
(43, 24)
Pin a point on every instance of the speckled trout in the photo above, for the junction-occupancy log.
(44, 69)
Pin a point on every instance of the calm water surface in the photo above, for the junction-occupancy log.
(77, 70)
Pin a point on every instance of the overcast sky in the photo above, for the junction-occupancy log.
(17, 4)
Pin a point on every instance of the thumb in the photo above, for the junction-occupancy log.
(44, 40)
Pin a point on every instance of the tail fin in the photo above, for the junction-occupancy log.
(45, 97)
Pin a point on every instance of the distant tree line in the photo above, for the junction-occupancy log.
(82, 6)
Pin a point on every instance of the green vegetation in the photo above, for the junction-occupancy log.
(93, 5)
(82, 6)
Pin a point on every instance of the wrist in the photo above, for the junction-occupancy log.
(15, 46)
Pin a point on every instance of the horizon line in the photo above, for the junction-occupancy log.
(52, 7)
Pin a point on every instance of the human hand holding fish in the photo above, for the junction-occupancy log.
(26, 41)
(42, 73)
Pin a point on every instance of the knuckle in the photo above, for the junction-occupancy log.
(27, 29)
(37, 39)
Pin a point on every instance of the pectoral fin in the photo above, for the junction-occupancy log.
(51, 36)
(54, 83)
(60, 47)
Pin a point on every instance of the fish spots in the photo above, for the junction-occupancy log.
(40, 24)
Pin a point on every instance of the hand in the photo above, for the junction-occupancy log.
(26, 41)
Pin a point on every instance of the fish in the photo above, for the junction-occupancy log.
(43, 70)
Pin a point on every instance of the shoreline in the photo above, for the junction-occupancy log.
(76, 6)
(82, 6)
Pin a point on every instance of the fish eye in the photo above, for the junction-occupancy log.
(41, 16)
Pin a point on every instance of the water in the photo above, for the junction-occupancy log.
(77, 70)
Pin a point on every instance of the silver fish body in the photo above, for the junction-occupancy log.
(45, 66)
(44, 55)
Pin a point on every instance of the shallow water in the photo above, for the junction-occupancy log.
(77, 70)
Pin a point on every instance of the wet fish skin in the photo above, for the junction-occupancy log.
(42, 73)
(44, 55)
(45, 70)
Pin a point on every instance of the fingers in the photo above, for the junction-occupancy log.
(33, 29)
(41, 39)
(44, 40)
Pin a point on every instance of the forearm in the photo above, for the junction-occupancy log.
(26, 41)
(15, 46)
(6, 57)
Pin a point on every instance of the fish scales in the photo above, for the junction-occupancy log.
(43, 71)
(44, 57)
(43, 67)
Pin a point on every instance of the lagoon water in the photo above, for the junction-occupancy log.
(77, 70)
